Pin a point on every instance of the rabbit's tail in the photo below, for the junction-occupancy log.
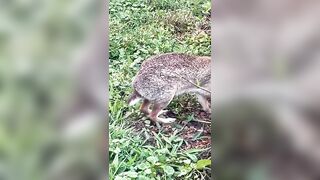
(134, 98)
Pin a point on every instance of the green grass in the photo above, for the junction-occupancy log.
(139, 29)
(131, 157)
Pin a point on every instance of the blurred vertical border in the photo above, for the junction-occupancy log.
(266, 78)
(53, 89)
(212, 88)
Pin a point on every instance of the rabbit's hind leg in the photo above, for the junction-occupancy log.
(204, 103)
(158, 107)
(162, 103)
(145, 106)
(157, 110)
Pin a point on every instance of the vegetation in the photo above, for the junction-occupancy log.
(139, 29)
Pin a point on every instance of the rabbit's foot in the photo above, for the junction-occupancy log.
(163, 111)
(166, 120)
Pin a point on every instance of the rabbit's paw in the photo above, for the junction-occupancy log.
(163, 111)
(166, 120)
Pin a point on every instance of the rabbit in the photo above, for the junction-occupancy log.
(162, 77)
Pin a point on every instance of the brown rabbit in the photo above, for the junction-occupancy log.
(165, 76)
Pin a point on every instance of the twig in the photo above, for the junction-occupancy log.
(197, 120)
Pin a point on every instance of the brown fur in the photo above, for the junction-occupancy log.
(162, 77)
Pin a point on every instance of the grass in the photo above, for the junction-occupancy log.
(139, 29)
(131, 157)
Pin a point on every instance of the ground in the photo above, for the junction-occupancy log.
(194, 128)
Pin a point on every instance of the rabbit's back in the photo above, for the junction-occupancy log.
(163, 75)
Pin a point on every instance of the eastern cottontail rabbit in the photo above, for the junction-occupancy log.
(164, 76)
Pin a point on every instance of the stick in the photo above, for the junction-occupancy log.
(201, 121)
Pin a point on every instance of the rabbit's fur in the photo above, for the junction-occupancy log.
(165, 76)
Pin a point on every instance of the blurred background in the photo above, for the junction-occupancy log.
(266, 81)
(53, 89)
